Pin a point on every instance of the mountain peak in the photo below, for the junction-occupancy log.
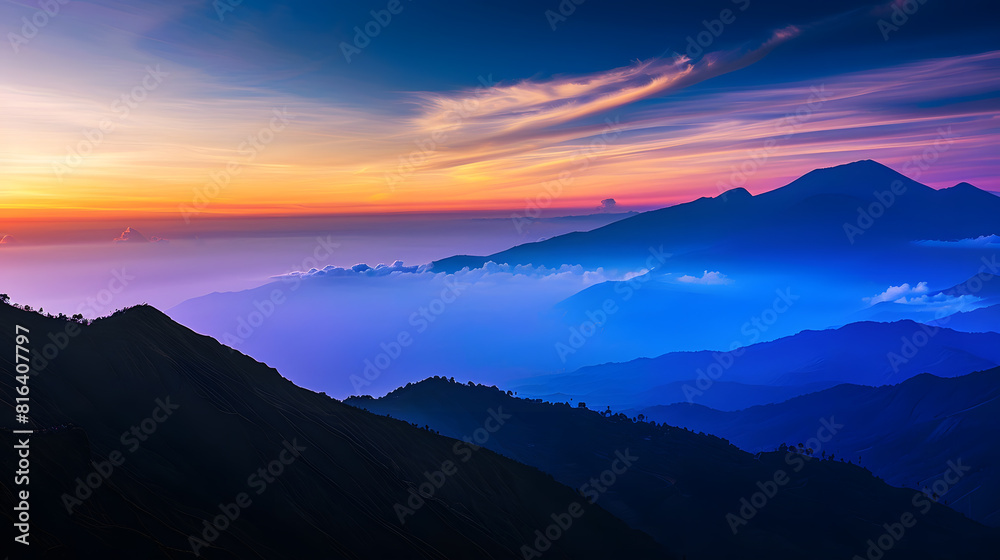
(859, 179)
(968, 193)
(131, 236)
(965, 188)
(865, 168)
(739, 193)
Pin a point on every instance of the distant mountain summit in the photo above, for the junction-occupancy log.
(836, 210)
(861, 179)
(131, 236)
(967, 188)
(965, 193)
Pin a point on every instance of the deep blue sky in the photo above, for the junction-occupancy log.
(446, 44)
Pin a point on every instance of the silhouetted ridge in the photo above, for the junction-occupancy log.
(860, 179)
(813, 215)
(683, 484)
(906, 434)
(212, 418)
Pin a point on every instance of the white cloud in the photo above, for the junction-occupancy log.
(897, 293)
(943, 303)
(707, 278)
(490, 270)
(635, 274)
(982, 241)
(921, 301)
(360, 269)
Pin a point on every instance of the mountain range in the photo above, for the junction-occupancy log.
(716, 273)
(861, 205)
(682, 486)
(866, 353)
(903, 433)
(843, 311)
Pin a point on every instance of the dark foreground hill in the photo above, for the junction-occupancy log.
(149, 432)
(688, 489)
(904, 433)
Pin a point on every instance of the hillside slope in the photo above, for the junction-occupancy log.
(208, 418)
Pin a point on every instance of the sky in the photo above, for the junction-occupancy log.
(182, 111)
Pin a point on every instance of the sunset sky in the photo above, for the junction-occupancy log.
(457, 106)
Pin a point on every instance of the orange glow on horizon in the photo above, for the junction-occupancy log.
(558, 144)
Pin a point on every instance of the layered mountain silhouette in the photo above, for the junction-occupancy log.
(861, 205)
(984, 319)
(715, 273)
(905, 433)
(866, 353)
(149, 432)
(150, 437)
(681, 485)
(832, 238)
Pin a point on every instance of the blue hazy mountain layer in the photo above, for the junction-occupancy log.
(836, 246)
(865, 353)
(905, 433)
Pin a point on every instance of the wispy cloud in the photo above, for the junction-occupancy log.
(533, 113)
